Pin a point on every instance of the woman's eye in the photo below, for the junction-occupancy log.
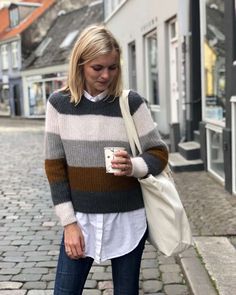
(97, 68)
(112, 68)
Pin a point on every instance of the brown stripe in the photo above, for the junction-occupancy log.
(161, 154)
(97, 180)
(56, 170)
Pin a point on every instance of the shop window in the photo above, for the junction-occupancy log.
(132, 66)
(36, 99)
(4, 100)
(14, 54)
(4, 54)
(152, 68)
(215, 152)
(214, 61)
(39, 90)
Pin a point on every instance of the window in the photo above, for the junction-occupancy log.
(110, 6)
(215, 151)
(152, 68)
(43, 45)
(69, 39)
(4, 100)
(39, 90)
(214, 61)
(132, 66)
(14, 54)
(4, 54)
(14, 17)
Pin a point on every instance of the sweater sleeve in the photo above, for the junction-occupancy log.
(56, 167)
(154, 158)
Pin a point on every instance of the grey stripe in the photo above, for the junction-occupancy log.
(53, 146)
(152, 139)
(89, 153)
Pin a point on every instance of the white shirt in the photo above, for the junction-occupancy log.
(111, 235)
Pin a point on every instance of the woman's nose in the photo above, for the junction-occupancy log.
(105, 74)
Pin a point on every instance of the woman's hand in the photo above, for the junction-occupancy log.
(74, 241)
(122, 161)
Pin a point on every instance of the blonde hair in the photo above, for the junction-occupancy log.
(93, 42)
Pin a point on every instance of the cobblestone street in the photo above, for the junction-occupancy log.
(30, 233)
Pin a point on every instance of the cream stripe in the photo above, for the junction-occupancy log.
(66, 213)
(91, 127)
(51, 124)
(143, 120)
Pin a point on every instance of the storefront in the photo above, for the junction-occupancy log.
(39, 89)
(38, 85)
(213, 67)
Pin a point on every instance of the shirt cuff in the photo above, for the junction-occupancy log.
(139, 167)
(65, 212)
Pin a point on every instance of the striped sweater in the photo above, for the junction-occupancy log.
(75, 137)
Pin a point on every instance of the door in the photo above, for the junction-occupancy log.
(16, 97)
(173, 62)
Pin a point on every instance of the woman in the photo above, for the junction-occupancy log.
(102, 214)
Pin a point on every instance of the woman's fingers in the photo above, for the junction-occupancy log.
(74, 241)
(122, 162)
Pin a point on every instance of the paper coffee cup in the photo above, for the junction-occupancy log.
(109, 156)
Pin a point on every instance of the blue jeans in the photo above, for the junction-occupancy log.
(72, 274)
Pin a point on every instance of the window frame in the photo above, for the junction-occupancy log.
(14, 17)
(148, 72)
(14, 55)
(4, 57)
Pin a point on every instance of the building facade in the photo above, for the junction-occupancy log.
(217, 22)
(17, 39)
(180, 55)
(46, 69)
(148, 34)
(23, 26)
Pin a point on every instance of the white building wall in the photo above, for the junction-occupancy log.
(133, 20)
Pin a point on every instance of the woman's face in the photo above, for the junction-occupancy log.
(100, 72)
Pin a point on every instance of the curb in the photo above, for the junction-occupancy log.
(197, 278)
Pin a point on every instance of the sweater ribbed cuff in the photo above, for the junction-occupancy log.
(139, 167)
(65, 212)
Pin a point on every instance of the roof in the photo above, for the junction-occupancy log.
(4, 23)
(50, 51)
(9, 32)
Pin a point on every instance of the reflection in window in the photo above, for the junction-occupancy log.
(36, 99)
(40, 89)
(214, 63)
(216, 161)
(132, 66)
(152, 68)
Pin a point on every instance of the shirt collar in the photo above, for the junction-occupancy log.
(96, 98)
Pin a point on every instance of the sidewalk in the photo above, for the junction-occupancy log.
(30, 233)
(212, 213)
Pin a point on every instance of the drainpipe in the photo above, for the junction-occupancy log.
(184, 33)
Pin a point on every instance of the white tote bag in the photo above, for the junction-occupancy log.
(168, 226)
